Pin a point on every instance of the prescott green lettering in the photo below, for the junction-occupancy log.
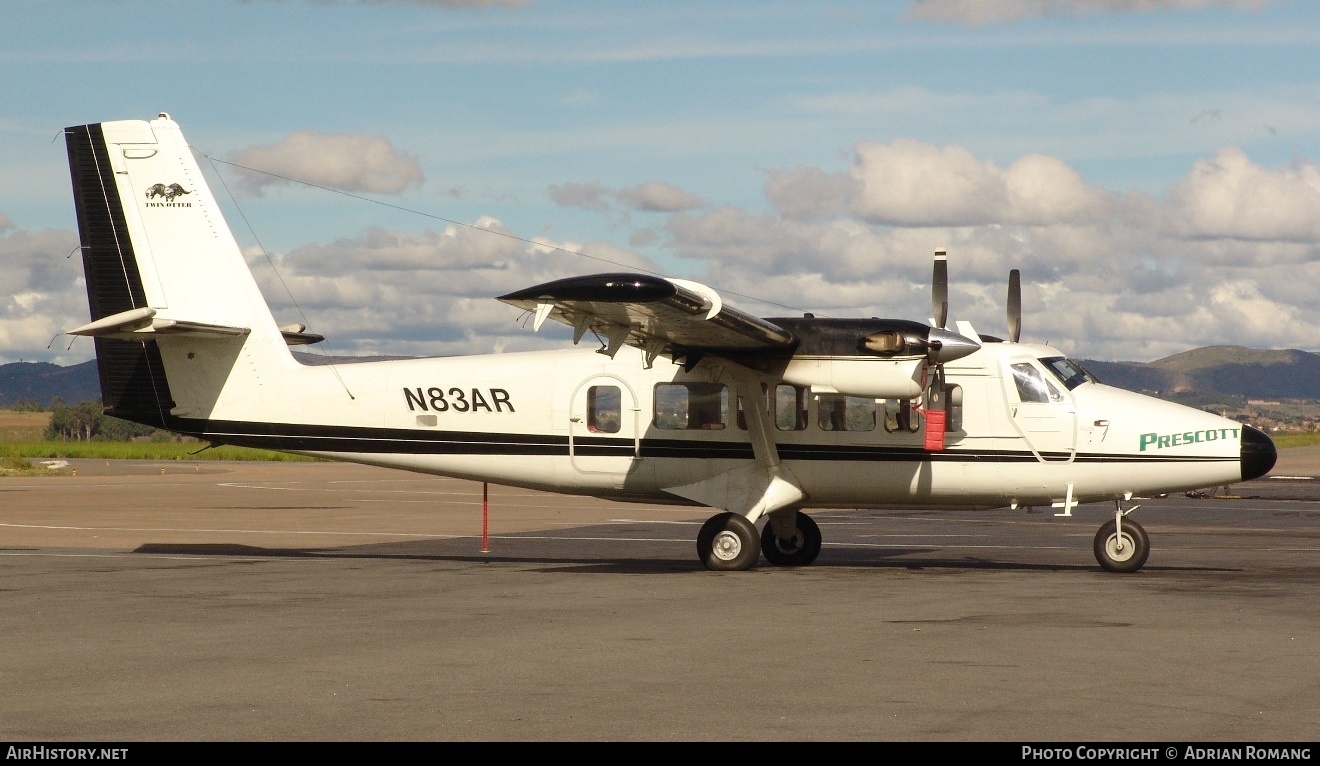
(1163, 441)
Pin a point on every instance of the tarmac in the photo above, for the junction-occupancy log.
(175, 601)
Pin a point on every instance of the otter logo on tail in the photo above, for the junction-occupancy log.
(168, 192)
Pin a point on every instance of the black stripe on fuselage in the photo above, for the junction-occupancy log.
(352, 439)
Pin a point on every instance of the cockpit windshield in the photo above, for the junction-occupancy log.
(1071, 373)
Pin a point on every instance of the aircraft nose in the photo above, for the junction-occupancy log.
(1258, 453)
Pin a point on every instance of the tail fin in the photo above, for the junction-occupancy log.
(173, 304)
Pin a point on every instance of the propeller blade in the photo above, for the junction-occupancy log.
(1014, 305)
(939, 295)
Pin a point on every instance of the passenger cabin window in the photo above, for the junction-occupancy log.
(845, 413)
(691, 406)
(900, 415)
(790, 408)
(1032, 385)
(604, 409)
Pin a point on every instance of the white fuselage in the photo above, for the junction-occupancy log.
(580, 422)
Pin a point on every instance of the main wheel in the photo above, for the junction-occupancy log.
(1121, 553)
(799, 551)
(728, 542)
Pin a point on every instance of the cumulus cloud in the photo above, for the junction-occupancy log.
(1229, 196)
(1224, 257)
(379, 250)
(44, 294)
(649, 197)
(1227, 256)
(975, 12)
(426, 293)
(588, 196)
(658, 197)
(911, 183)
(347, 161)
(806, 192)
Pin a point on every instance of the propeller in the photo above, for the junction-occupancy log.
(1014, 305)
(939, 290)
(939, 304)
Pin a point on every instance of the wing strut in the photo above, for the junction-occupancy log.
(765, 487)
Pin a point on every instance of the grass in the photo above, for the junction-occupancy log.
(22, 426)
(22, 436)
(1289, 439)
(14, 464)
(144, 450)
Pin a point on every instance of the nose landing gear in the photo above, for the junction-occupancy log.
(1122, 545)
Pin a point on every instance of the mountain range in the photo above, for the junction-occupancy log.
(1219, 372)
(1204, 373)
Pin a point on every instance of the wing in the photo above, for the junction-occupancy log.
(658, 315)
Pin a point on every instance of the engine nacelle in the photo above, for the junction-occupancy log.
(876, 358)
(859, 376)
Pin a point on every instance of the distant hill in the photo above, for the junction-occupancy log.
(1219, 371)
(1203, 372)
(41, 381)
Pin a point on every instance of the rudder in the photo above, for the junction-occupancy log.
(162, 271)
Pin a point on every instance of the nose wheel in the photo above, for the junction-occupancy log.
(1121, 545)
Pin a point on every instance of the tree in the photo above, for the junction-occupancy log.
(116, 430)
(86, 421)
(78, 423)
(88, 417)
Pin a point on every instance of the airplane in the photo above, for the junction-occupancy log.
(686, 400)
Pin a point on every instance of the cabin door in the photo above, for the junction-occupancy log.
(1043, 412)
(603, 434)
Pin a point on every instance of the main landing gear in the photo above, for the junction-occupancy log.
(729, 542)
(1121, 545)
(799, 549)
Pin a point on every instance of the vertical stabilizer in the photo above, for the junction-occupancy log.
(166, 282)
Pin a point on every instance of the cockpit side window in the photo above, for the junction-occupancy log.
(1032, 385)
(1070, 373)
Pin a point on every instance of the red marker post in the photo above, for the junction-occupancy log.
(485, 526)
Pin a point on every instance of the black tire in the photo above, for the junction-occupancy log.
(728, 542)
(1136, 547)
(798, 552)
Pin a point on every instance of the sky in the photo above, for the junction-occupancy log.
(390, 166)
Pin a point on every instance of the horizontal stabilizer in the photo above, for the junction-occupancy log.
(297, 335)
(135, 324)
